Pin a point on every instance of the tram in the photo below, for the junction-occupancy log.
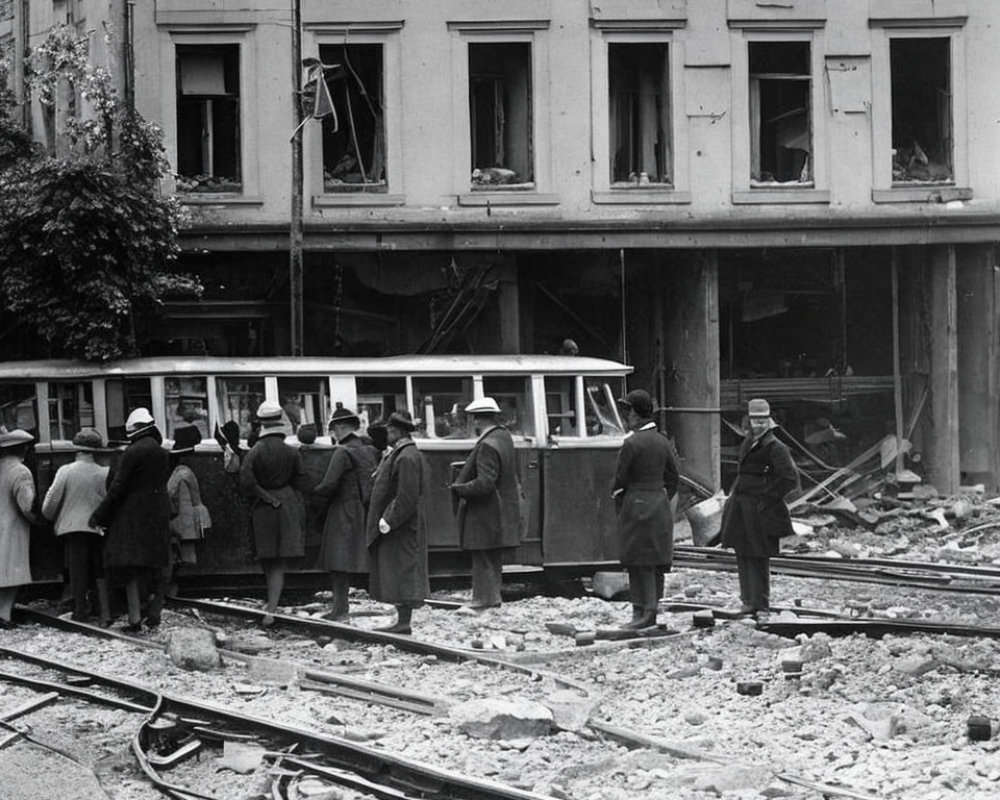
(561, 411)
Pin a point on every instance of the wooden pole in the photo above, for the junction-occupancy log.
(897, 378)
(295, 244)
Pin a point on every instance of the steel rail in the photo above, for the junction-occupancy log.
(376, 765)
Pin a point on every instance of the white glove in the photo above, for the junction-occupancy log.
(383, 526)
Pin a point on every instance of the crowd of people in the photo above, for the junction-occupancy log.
(137, 524)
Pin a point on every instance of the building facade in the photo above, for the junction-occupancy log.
(798, 200)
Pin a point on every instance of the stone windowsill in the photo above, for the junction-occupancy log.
(926, 193)
(640, 196)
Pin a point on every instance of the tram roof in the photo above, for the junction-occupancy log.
(61, 369)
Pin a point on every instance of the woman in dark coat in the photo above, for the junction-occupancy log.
(646, 478)
(271, 476)
(343, 548)
(397, 544)
(136, 513)
(489, 513)
(755, 517)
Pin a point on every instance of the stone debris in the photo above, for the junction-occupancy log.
(497, 718)
(193, 648)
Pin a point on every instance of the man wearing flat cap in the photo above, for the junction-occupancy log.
(271, 475)
(397, 544)
(755, 516)
(347, 486)
(17, 496)
(646, 478)
(488, 490)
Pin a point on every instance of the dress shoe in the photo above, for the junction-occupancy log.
(645, 621)
(396, 627)
(6, 624)
(132, 627)
(343, 619)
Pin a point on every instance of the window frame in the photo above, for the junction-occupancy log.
(385, 34)
(214, 36)
(742, 34)
(638, 32)
(535, 34)
(884, 190)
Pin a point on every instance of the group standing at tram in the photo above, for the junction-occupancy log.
(138, 524)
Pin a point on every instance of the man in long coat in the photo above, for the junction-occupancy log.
(346, 483)
(271, 476)
(646, 478)
(136, 513)
(397, 545)
(489, 520)
(755, 517)
(17, 496)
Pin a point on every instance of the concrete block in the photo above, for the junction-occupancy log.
(194, 649)
(494, 718)
(610, 584)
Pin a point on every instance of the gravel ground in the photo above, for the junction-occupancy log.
(880, 717)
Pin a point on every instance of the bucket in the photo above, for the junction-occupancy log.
(706, 520)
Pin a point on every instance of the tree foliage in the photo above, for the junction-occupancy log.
(87, 241)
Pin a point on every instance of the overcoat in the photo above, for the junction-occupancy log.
(343, 547)
(272, 470)
(135, 509)
(399, 558)
(755, 516)
(17, 496)
(646, 478)
(188, 515)
(489, 513)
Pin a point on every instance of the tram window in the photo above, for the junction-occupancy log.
(17, 407)
(560, 405)
(305, 401)
(602, 415)
(238, 400)
(71, 407)
(378, 398)
(513, 395)
(441, 405)
(121, 396)
(187, 404)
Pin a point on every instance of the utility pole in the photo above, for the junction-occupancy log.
(295, 244)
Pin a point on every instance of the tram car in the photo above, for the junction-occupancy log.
(561, 411)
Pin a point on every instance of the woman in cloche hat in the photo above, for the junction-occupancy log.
(189, 518)
(17, 496)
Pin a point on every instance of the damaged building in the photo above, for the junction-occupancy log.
(793, 200)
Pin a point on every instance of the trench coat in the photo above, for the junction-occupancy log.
(755, 516)
(489, 512)
(272, 470)
(135, 509)
(343, 547)
(17, 496)
(646, 478)
(189, 517)
(398, 562)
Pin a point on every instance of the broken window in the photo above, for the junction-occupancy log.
(500, 114)
(639, 104)
(354, 134)
(208, 118)
(780, 112)
(921, 109)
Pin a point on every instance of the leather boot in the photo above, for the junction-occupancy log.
(340, 586)
(637, 614)
(103, 602)
(404, 614)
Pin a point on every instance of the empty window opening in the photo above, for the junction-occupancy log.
(639, 105)
(208, 118)
(354, 133)
(500, 113)
(780, 113)
(921, 109)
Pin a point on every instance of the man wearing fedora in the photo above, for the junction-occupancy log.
(271, 475)
(76, 491)
(755, 516)
(17, 496)
(489, 513)
(347, 484)
(397, 544)
(136, 513)
(189, 518)
(646, 478)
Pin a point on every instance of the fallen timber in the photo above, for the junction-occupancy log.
(382, 769)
